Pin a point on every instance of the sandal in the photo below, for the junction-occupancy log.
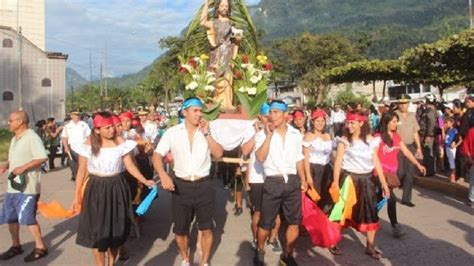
(335, 250)
(374, 254)
(36, 254)
(11, 252)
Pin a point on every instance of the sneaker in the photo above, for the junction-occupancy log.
(238, 211)
(258, 260)
(185, 263)
(227, 186)
(254, 244)
(288, 260)
(275, 246)
(409, 204)
(397, 231)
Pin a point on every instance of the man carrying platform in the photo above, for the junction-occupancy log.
(191, 145)
(280, 149)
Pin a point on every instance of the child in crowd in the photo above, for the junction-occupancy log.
(450, 146)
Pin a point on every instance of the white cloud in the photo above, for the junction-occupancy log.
(129, 30)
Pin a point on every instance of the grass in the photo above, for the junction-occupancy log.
(5, 137)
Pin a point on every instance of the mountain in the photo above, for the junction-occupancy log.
(130, 80)
(74, 79)
(383, 28)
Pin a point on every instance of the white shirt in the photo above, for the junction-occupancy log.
(337, 117)
(189, 162)
(256, 174)
(358, 156)
(131, 134)
(283, 154)
(76, 133)
(109, 160)
(151, 130)
(320, 150)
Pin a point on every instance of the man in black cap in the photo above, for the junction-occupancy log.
(428, 125)
(408, 130)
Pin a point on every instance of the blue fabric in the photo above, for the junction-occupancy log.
(450, 136)
(279, 106)
(146, 203)
(381, 204)
(265, 109)
(19, 208)
(192, 102)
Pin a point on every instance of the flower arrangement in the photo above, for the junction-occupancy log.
(198, 80)
(251, 75)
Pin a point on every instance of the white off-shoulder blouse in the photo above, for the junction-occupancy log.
(320, 150)
(358, 156)
(109, 160)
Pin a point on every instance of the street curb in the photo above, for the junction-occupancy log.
(443, 186)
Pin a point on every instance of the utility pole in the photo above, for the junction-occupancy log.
(72, 98)
(101, 89)
(471, 19)
(20, 66)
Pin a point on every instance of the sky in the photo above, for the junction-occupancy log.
(123, 35)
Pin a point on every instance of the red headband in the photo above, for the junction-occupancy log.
(116, 120)
(100, 121)
(128, 115)
(318, 114)
(298, 114)
(356, 117)
(136, 123)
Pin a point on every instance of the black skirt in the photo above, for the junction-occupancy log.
(106, 213)
(322, 179)
(364, 213)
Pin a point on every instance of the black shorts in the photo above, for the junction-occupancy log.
(193, 199)
(256, 193)
(278, 195)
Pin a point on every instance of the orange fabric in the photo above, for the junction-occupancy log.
(334, 192)
(313, 194)
(351, 201)
(54, 210)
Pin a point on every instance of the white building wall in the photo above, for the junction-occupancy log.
(30, 18)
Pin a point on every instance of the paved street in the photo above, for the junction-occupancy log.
(440, 232)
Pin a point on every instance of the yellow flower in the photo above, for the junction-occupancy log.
(262, 59)
(204, 57)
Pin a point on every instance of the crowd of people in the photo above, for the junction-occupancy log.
(114, 158)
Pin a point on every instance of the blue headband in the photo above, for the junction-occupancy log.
(192, 102)
(279, 106)
(265, 109)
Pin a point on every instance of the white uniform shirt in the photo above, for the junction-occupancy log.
(283, 154)
(256, 174)
(189, 162)
(151, 130)
(337, 117)
(76, 133)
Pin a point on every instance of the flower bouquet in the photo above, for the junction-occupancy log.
(251, 75)
(199, 82)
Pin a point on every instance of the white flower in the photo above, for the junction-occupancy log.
(243, 89)
(248, 66)
(210, 80)
(209, 88)
(210, 74)
(187, 67)
(191, 86)
(255, 79)
(252, 91)
(196, 77)
(265, 72)
(197, 59)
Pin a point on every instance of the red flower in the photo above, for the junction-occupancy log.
(238, 75)
(245, 59)
(268, 66)
(183, 70)
(192, 62)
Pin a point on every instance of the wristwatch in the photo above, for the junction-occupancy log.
(208, 133)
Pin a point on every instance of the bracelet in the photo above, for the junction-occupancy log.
(208, 133)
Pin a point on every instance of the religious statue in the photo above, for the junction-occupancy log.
(224, 40)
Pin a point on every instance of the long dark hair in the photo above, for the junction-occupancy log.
(364, 129)
(383, 127)
(96, 140)
(216, 8)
